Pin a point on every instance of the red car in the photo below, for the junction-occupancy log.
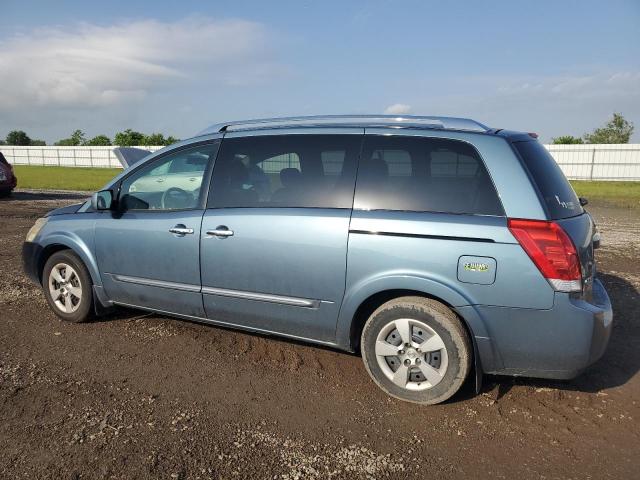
(8, 180)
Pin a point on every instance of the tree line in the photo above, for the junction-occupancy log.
(616, 130)
(127, 138)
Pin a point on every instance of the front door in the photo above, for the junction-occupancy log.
(274, 235)
(148, 252)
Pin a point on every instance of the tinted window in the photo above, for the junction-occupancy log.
(315, 171)
(556, 191)
(424, 175)
(172, 182)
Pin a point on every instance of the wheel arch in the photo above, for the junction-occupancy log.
(45, 254)
(64, 241)
(361, 302)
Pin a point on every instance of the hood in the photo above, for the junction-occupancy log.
(129, 156)
(63, 210)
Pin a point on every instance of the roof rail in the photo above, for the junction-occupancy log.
(397, 121)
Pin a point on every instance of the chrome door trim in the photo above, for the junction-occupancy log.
(156, 283)
(262, 297)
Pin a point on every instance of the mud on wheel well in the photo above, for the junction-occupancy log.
(367, 307)
(46, 253)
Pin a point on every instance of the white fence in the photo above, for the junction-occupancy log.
(64, 156)
(579, 162)
(598, 162)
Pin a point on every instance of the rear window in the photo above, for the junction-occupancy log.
(424, 175)
(556, 191)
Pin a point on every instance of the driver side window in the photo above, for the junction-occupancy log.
(171, 183)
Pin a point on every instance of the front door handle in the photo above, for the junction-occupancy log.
(180, 229)
(221, 232)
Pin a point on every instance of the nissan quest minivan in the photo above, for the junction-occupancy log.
(432, 246)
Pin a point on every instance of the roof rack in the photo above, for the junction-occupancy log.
(397, 121)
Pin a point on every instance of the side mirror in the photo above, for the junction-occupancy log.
(102, 200)
(583, 201)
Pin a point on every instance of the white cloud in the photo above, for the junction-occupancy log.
(573, 88)
(96, 66)
(398, 109)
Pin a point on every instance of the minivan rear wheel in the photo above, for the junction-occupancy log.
(67, 287)
(416, 349)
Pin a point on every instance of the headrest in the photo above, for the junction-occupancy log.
(237, 172)
(290, 177)
(377, 168)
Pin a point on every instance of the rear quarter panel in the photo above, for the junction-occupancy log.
(420, 251)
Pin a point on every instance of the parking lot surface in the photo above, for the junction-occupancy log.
(137, 395)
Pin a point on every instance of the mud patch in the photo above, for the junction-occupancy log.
(19, 288)
(148, 327)
(303, 460)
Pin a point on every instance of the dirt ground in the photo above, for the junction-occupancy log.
(144, 396)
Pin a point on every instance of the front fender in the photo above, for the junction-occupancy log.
(81, 243)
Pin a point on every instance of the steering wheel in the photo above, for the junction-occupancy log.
(175, 198)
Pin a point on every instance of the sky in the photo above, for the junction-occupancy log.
(551, 67)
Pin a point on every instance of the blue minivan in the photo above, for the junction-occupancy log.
(433, 246)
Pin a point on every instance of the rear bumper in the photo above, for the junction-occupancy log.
(558, 343)
(9, 184)
(603, 322)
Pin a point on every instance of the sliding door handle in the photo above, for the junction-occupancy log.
(220, 232)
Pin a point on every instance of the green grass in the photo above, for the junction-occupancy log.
(63, 178)
(619, 194)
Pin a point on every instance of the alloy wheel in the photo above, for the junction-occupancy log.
(411, 354)
(65, 288)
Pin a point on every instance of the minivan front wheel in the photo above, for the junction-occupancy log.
(416, 349)
(67, 287)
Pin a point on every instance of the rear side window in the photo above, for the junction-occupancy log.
(312, 171)
(556, 191)
(424, 175)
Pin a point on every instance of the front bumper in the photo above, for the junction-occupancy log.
(31, 260)
(558, 343)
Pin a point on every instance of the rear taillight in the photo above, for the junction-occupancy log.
(551, 250)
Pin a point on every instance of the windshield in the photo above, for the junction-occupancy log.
(557, 192)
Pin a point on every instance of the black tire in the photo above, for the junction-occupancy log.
(444, 323)
(83, 308)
